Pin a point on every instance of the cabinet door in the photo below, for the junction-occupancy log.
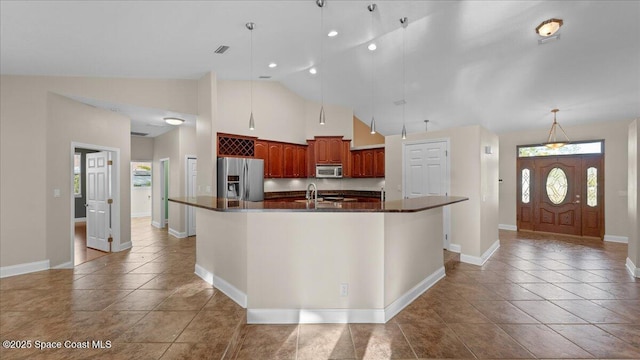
(300, 165)
(346, 158)
(356, 163)
(261, 151)
(335, 151)
(289, 160)
(275, 160)
(311, 158)
(367, 163)
(378, 155)
(322, 151)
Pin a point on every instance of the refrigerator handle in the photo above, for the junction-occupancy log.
(246, 179)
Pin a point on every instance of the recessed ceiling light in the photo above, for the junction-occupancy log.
(313, 71)
(332, 33)
(372, 46)
(272, 65)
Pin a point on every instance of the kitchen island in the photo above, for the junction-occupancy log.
(320, 262)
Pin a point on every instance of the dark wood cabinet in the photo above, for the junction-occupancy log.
(261, 151)
(300, 162)
(328, 150)
(346, 158)
(378, 155)
(311, 158)
(289, 155)
(276, 163)
(367, 163)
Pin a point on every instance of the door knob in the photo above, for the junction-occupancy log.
(86, 205)
(577, 202)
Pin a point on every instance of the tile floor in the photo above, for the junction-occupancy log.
(539, 296)
(82, 253)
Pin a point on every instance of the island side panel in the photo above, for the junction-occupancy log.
(298, 260)
(413, 254)
(221, 250)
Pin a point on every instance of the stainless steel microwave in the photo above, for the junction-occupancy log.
(328, 171)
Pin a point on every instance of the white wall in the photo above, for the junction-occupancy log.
(614, 134)
(141, 148)
(634, 196)
(472, 174)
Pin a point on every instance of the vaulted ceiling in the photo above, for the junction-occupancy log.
(466, 62)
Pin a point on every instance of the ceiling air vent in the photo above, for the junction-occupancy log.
(399, 102)
(221, 49)
(265, 77)
(139, 133)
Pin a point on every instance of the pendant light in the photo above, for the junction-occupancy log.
(321, 4)
(252, 123)
(405, 22)
(372, 7)
(426, 125)
(552, 141)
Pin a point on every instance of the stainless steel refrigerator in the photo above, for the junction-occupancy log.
(241, 179)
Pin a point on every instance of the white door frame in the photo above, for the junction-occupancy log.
(187, 182)
(446, 211)
(115, 195)
(164, 162)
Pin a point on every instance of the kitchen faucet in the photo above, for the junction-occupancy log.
(315, 192)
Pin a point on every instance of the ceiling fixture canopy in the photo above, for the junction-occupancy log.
(549, 27)
(174, 121)
(552, 141)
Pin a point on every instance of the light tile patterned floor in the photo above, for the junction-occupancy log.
(539, 296)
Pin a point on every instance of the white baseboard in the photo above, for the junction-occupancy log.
(342, 316)
(178, 234)
(407, 298)
(456, 248)
(314, 316)
(474, 260)
(137, 215)
(616, 239)
(231, 291)
(19, 269)
(79, 220)
(156, 224)
(67, 265)
(125, 246)
(635, 271)
(507, 227)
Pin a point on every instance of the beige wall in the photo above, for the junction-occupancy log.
(615, 135)
(70, 121)
(141, 148)
(339, 121)
(24, 119)
(634, 196)
(205, 134)
(362, 135)
(472, 174)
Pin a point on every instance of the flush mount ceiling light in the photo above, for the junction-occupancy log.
(552, 141)
(313, 71)
(272, 65)
(252, 124)
(549, 27)
(372, 46)
(174, 121)
(332, 33)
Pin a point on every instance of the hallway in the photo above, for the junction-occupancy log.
(539, 296)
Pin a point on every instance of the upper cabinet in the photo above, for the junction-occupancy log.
(367, 163)
(328, 149)
(261, 151)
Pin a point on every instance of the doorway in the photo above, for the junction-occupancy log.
(561, 191)
(164, 193)
(141, 186)
(95, 209)
(426, 172)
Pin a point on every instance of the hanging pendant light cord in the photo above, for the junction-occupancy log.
(404, 66)
(251, 69)
(373, 84)
(321, 55)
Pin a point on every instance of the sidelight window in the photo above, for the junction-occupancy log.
(557, 185)
(592, 187)
(526, 188)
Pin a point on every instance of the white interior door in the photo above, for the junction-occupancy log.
(426, 172)
(192, 171)
(97, 180)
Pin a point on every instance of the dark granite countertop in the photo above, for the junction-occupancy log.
(395, 206)
(321, 193)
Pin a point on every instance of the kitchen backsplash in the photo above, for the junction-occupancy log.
(372, 184)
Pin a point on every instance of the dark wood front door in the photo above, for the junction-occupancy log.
(561, 194)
